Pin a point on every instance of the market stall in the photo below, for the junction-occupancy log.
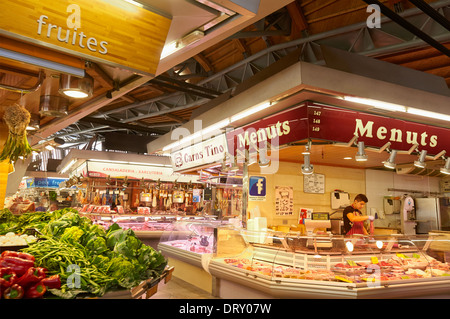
(285, 194)
(139, 192)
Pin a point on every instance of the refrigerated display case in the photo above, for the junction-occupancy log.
(290, 266)
(188, 240)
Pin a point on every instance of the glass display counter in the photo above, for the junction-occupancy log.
(190, 240)
(279, 265)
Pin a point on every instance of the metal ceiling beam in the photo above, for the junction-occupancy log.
(409, 26)
(436, 16)
(132, 127)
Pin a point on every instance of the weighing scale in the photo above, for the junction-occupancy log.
(317, 222)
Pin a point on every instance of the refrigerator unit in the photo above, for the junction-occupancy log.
(432, 214)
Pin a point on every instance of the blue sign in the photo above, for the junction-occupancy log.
(45, 182)
(257, 186)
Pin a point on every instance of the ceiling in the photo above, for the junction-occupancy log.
(243, 44)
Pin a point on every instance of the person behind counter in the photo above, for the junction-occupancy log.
(353, 218)
(53, 206)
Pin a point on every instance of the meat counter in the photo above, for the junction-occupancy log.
(290, 266)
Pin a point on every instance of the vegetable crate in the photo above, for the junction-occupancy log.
(148, 287)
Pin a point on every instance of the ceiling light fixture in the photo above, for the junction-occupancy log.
(34, 122)
(307, 148)
(235, 166)
(375, 103)
(390, 163)
(307, 167)
(250, 111)
(53, 105)
(263, 160)
(361, 153)
(433, 115)
(421, 162)
(76, 87)
(446, 168)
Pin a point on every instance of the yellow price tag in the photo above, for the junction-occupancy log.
(416, 255)
(401, 256)
(374, 260)
(351, 263)
(343, 279)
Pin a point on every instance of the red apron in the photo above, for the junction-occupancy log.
(357, 228)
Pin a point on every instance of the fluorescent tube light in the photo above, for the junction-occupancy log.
(250, 111)
(434, 115)
(66, 168)
(375, 103)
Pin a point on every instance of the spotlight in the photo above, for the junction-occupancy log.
(307, 168)
(361, 154)
(76, 87)
(235, 166)
(224, 167)
(263, 160)
(446, 168)
(307, 148)
(390, 163)
(421, 162)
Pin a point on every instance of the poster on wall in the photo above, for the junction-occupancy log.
(284, 200)
(314, 183)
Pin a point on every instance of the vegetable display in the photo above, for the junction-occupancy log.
(81, 258)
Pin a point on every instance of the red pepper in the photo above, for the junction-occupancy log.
(13, 292)
(18, 265)
(32, 276)
(7, 278)
(36, 291)
(18, 254)
(52, 282)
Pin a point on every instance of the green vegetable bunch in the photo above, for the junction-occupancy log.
(17, 118)
(108, 259)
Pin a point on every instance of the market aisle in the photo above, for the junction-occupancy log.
(180, 289)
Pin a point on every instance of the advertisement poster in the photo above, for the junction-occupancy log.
(284, 200)
(257, 188)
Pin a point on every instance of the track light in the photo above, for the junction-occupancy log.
(307, 168)
(263, 160)
(224, 167)
(421, 162)
(235, 166)
(307, 148)
(361, 154)
(446, 168)
(390, 163)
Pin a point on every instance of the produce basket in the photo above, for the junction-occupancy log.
(148, 287)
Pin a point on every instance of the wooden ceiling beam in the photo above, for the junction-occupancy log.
(100, 76)
(297, 16)
(201, 59)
